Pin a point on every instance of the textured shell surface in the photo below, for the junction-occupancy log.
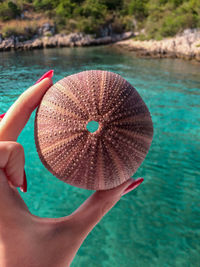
(107, 157)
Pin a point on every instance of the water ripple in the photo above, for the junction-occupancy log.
(158, 223)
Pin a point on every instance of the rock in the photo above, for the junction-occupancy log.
(184, 45)
(7, 44)
(60, 40)
(106, 31)
(127, 35)
(63, 40)
(46, 26)
(19, 46)
(49, 41)
(27, 45)
(46, 30)
(21, 38)
(1, 38)
(37, 43)
(187, 32)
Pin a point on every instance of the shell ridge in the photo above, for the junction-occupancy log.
(101, 91)
(76, 87)
(119, 165)
(93, 160)
(62, 111)
(69, 93)
(116, 94)
(68, 139)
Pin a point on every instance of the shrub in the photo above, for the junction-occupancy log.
(128, 24)
(65, 8)
(8, 10)
(88, 25)
(60, 23)
(94, 9)
(71, 26)
(122, 24)
(45, 4)
(27, 30)
(138, 9)
(113, 4)
(174, 24)
(159, 18)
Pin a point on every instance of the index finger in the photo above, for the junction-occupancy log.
(18, 114)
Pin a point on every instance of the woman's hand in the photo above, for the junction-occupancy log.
(27, 240)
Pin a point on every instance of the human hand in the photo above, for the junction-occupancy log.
(25, 239)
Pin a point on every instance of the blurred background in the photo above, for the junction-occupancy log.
(158, 224)
(151, 18)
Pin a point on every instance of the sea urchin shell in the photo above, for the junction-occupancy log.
(97, 160)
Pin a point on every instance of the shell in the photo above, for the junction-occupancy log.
(109, 156)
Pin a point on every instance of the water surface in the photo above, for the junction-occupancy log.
(158, 224)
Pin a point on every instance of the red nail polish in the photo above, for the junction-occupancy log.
(23, 188)
(132, 186)
(48, 74)
(2, 115)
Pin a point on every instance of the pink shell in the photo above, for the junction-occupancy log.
(103, 159)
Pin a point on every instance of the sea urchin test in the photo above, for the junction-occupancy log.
(93, 130)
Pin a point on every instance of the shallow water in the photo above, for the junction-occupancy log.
(158, 224)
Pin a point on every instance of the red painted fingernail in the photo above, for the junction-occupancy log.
(2, 115)
(132, 186)
(48, 74)
(23, 188)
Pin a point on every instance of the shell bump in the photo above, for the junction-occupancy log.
(97, 160)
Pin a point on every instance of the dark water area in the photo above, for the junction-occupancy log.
(158, 224)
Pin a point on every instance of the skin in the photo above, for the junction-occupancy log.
(25, 239)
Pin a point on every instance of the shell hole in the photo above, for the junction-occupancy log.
(92, 126)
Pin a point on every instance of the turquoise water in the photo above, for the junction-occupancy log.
(92, 126)
(158, 224)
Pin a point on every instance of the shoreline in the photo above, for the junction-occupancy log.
(184, 46)
(60, 40)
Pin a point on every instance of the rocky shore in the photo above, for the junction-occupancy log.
(59, 40)
(185, 45)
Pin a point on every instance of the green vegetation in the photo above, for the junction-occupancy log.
(8, 10)
(157, 18)
(27, 30)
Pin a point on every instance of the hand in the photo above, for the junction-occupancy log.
(25, 239)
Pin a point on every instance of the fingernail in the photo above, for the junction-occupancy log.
(23, 188)
(2, 115)
(48, 74)
(132, 186)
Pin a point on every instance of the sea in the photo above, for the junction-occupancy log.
(157, 224)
